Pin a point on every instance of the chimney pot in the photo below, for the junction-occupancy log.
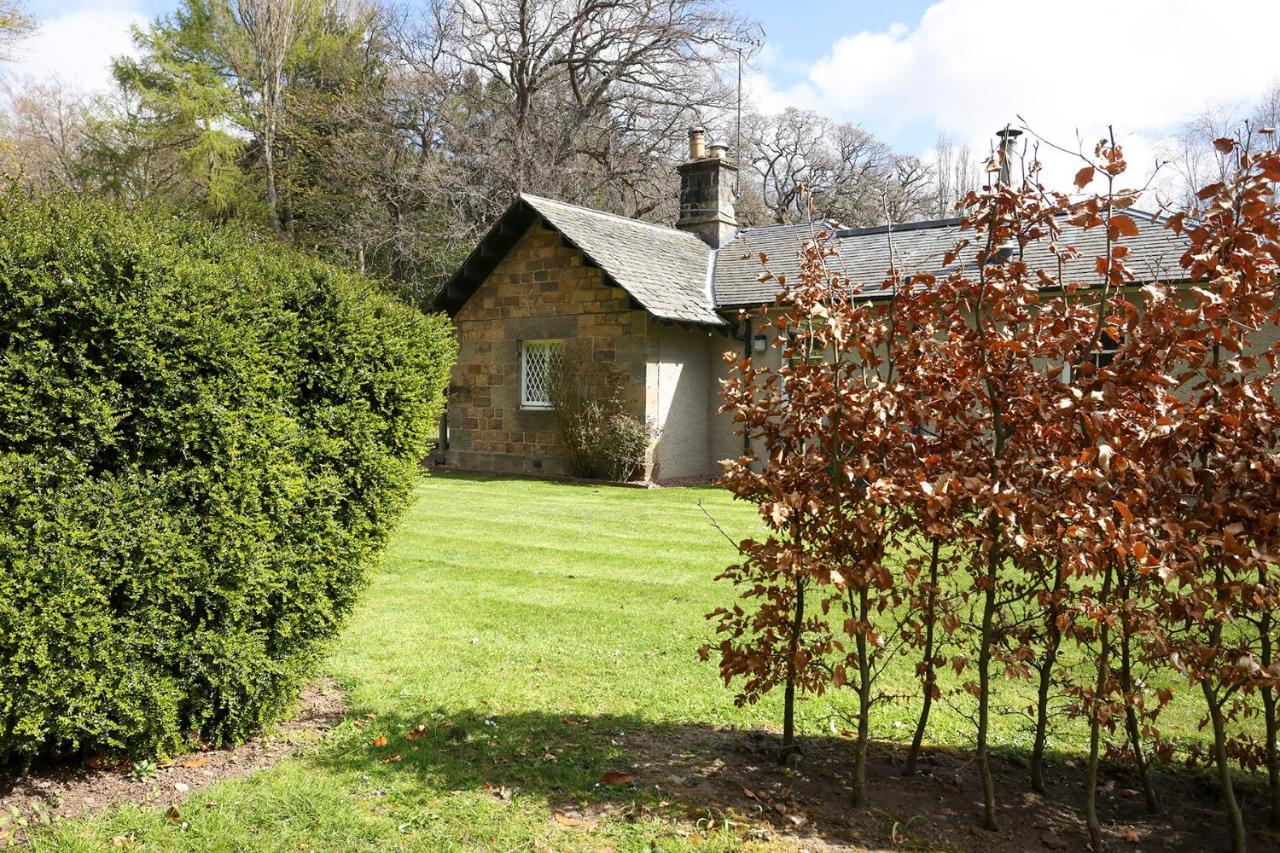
(1008, 137)
(697, 143)
(719, 151)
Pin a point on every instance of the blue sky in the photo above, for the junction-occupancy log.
(804, 29)
(907, 71)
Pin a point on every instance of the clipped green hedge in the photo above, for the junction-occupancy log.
(204, 442)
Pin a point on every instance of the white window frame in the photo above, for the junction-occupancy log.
(552, 346)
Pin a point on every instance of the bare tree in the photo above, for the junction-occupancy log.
(1193, 160)
(42, 129)
(956, 172)
(268, 30)
(786, 156)
(581, 97)
(862, 169)
(800, 163)
(909, 193)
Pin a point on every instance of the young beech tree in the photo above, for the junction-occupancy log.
(826, 423)
(1098, 485)
(779, 638)
(844, 350)
(1215, 451)
(988, 391)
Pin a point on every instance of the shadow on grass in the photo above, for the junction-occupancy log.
(623, 768)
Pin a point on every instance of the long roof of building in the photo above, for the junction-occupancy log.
(864, 254)
(676, 277)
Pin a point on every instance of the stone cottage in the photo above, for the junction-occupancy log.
(660, 304)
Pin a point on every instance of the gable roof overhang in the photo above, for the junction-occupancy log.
(485, 257)
(668, 281)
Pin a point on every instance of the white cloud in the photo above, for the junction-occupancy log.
(970, 66)
(77, 47)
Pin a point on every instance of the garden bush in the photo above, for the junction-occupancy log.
(204, 442)
(601, 439)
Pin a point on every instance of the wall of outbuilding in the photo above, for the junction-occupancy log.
(541, 290)
(680, 384)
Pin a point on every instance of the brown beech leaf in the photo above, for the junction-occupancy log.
(617, 777)
(381, 741)
(1083, 177)
(1209, 191)
(1224, 144)
(1122, 225)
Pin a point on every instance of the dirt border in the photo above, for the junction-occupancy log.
(729, 775)
(66, 792)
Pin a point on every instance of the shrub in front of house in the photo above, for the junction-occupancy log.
(204, 443)
(601, 440)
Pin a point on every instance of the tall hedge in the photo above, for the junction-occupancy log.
(204, 442)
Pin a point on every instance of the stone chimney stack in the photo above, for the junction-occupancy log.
(706, 191)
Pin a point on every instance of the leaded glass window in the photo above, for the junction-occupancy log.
(539, 361)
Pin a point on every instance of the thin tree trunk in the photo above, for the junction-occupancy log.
(268, 152)
(864, 704)
(789, 694)
(984, 689)
(1273, 759)
(1095, 722)
(1269, 705)
(1239, 839)
(1131, 725)
(930, 672)
(1053, 640)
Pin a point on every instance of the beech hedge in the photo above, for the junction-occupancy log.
(204, 442)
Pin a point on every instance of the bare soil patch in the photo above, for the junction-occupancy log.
(732, 774)
(63, 792)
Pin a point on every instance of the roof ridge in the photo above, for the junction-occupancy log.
(628, 219)
(827, 224)
(915, 225)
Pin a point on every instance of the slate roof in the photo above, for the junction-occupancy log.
(665, 270)
(921, 247)
(674, 276)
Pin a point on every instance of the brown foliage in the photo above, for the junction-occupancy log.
(1000, 461)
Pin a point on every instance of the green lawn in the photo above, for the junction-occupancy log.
(516, 620)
